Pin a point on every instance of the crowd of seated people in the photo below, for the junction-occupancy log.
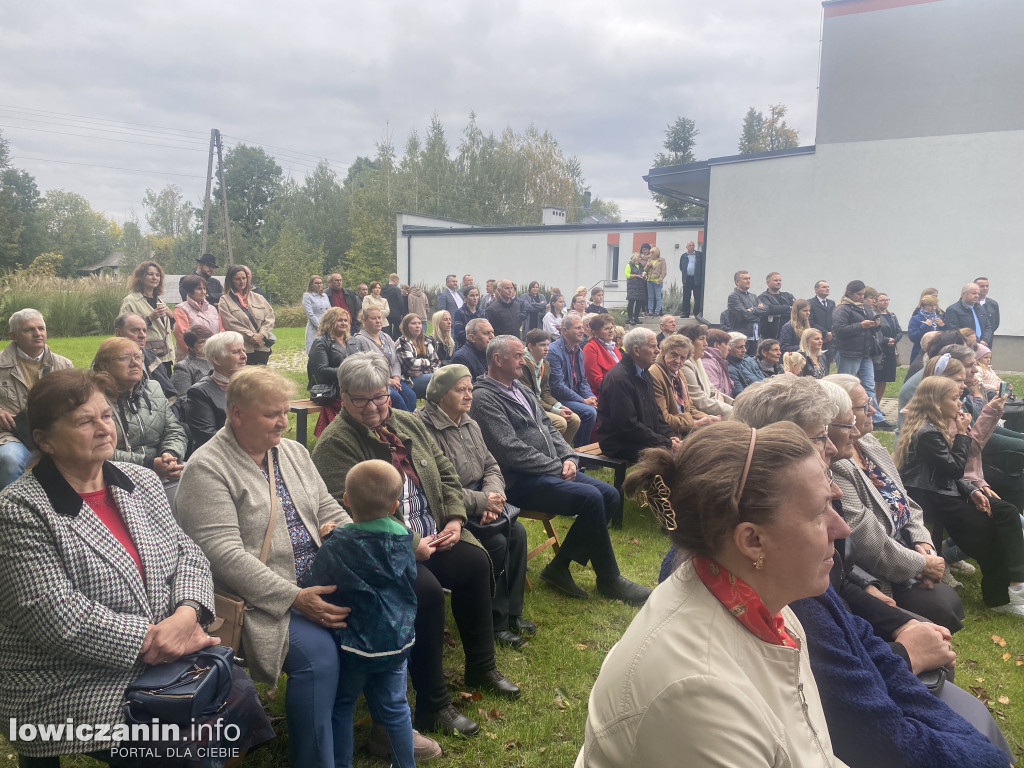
(834, 544)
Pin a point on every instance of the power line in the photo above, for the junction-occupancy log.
(108, 167)
(100, 119)
(100, 138)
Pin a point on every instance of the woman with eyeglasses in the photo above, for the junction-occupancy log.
(433, 507)
(147, 431)
(712, 671)
(888, 534)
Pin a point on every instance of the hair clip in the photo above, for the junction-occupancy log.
(941, 363)
(656, 498)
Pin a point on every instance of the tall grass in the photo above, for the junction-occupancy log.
(71, 306)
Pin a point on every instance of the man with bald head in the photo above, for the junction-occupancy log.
(340, 296)
(505, 313)
(691, 264)
(967, 313)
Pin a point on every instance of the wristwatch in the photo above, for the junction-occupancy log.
(195, 607)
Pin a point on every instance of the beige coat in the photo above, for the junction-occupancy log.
(656, 270)
(14, 388)
(369, 300)
(233, 318)
(702, 392)
(681, 420)
(223, 503)
(161, 330)
(688, 685)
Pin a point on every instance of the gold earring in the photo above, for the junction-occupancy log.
(759, 563)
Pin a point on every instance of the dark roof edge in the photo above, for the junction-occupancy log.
(615, 226)
(701, 165)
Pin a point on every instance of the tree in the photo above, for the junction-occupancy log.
(253, 180)
(761, 134)
(167, 211)
(74, 230)
(680, 139)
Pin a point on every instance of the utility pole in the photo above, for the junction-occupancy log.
(209, 181)
(223, 194)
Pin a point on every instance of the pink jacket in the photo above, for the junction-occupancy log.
(717, 370)
(979, 433)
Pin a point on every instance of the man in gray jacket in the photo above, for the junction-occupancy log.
(540, 474)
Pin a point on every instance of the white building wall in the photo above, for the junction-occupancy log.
(901, 215)
(554, 256)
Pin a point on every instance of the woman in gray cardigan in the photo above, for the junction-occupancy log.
(490, 518)
(224, 504)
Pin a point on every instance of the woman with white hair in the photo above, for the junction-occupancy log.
(205, 413)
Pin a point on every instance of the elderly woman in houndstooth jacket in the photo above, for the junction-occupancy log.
(99, 581)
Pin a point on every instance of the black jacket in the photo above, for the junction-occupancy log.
(507, 319)
(397, 305)
(628, 417)
(325, 355)
(991, 307)
(205, 415)
(959, 315)
(348, 300)
(851, 339)
(778, 307)
(932, 465)
(741, 319)
(468, 356)
(698, 270)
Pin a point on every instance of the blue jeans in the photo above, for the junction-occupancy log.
(591, 501)
(654, 297)
(403, 399)
(383, 683)
(864, 369)
(14, 458)
(311, 705)
(588, 418)
(419, 384)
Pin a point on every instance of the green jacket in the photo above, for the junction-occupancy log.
(346, 442)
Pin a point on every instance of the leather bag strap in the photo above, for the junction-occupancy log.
(273, 507)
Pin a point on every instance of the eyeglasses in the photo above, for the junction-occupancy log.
(844, 426)
(829, 476)
(362, 402)
(137, 357)
(867, 408)
(823, 439)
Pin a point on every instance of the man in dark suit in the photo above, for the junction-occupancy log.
(449, 298)
(968, 313)
(990, 306)
(778, 304)
(821, 317)
(396, 305)
(691, 264)
(340, 296)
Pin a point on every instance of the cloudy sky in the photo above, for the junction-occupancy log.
(146, 82)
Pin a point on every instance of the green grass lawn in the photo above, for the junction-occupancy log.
(556, 671)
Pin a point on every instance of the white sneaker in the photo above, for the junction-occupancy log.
(963, 568)
(1016, 596)
(1017, 610)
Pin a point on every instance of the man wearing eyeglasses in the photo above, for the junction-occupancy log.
(22, 363)
(132, 326)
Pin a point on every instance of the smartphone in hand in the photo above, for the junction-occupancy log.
(1004, 388)
(440, 539)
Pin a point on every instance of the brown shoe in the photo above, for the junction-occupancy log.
(423, 747)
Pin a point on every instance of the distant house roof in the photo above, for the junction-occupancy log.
(110, 261)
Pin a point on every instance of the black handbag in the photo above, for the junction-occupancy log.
(193, 687)
(322, 394)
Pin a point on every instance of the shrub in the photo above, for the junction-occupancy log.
(289, 316)
(69, 313)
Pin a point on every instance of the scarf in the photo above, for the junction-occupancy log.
(242, 299)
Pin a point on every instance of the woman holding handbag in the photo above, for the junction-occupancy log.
(144, 301)
(225, 503)
(329, 348)
(246, 312)
(99, 582)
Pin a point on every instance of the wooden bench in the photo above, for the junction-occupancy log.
(551, 541)
(590, 457)
(302, 409)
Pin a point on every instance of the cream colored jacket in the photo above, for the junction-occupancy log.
(688, 685)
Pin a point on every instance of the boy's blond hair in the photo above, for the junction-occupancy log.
(372, 490)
